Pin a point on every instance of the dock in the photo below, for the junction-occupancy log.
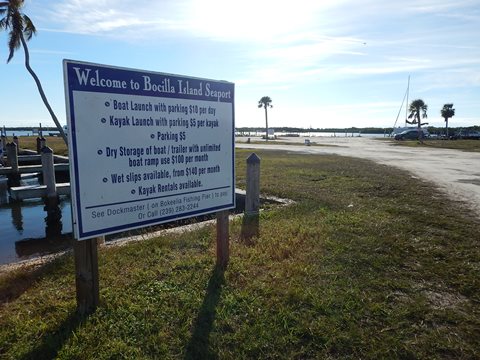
(28, 169)
(18, 193)
(45, 165)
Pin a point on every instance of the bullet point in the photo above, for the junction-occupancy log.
(107, 104)
(133, 192)
(105, 180)
(152, 136)
(99, 152)
(103, 120)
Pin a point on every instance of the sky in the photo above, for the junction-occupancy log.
(324, 63)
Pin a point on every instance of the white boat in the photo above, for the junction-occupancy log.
(400, 129)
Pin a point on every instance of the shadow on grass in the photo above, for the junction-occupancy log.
(199, 344)
(14, 284)
(52, 342)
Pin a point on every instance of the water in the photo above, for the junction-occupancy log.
(10, 134)
(317, 134)
(336, 134)
(23, 228)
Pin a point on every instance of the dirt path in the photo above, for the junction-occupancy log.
(455, 172)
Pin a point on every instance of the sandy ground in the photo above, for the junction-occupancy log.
(456, 173)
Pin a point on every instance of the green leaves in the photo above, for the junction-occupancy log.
(265, 102)
(447, 111)
(16, 23)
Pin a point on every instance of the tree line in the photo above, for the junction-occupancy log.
(417, 111)
(365, 130)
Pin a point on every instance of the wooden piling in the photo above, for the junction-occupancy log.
(3, 143)
(2, 149)
(39, 145)
(15, 140)
(12, 161)
(223, 246)
(250, 226)
(86, 275)
(12, 155)
(48, 171)
(252, 201)
(54, 214)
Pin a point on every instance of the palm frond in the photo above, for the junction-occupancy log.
(28, 28)
(19, 25)
(447, 111)
(13, 44)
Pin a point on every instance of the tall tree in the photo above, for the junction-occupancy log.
(447, 112)
(418, 108)
(20, 30)
(266, 103)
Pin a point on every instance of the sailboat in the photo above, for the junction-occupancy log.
(398, 130)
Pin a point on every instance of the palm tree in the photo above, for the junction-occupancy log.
(20, 30)
(416, 108)
(265, 102)
(447, 112)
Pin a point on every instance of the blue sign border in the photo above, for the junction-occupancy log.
(120, 74)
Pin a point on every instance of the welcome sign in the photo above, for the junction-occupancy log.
(146, 147)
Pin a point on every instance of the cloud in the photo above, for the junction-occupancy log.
(247, 20)
(286, 47)
(112, 18)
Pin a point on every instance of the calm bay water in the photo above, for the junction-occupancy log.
(10, 134)
(311, 134)
(315, 134)
(23, 228)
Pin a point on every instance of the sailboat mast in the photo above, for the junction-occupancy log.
(401, 106)
(406, 104)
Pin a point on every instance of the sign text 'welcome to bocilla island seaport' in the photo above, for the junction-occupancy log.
(146, 147)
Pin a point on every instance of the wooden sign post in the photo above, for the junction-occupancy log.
(223, 244)
(86, 275)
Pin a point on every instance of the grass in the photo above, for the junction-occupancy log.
(369, 263)
(464, 145)
(56, 143)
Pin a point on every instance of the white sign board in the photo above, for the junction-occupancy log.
(146, 147)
